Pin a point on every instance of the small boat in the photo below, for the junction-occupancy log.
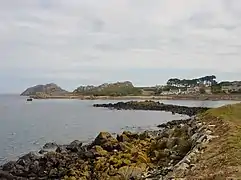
(29, 99)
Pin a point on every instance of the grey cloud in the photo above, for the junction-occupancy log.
(59, 38)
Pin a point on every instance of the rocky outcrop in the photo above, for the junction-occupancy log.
(41, 90)
(155, 106)
(147, 155)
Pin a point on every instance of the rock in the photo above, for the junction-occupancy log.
(122, 138)
(27, 159)
(106, 141)
(53, 173)
(74, 146)
(161, 144)
(178, 132)
(61, 149)
(171, 142)
(5, 175)
(195, 137)
(98, 151)
(127, 136)
(50, 145)
(131, 135)
(183, 146)
(34, 167)
(129, 172)
(144, 135)
(183, 166)
(175, 157)
(201, 139)
(8, 166)
(89, 155)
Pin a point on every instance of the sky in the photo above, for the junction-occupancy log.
(80, 42)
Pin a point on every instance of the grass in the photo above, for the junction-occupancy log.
(222, 157)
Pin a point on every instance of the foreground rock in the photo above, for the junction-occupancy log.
(147, 155)
(155, 106)
(48, 89)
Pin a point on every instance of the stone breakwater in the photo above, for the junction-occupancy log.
(146, 155)
(154, 106)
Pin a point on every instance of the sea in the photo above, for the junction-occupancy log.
(27, 126)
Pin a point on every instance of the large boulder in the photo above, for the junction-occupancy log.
(127, 136)
(74, 146)
(106, 141)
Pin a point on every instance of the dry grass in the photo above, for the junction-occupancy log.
(222, 157)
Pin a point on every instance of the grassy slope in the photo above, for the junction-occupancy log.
(222, 157)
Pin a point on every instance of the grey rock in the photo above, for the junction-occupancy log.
(74, 146)
(50, 145)
(8, 166)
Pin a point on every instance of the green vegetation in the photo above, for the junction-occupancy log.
(222, 156)
(114, 89)
(207, 80)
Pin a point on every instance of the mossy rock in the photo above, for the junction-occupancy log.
(159, 144)
(144, 135)
(160, 155)
(141, 157)
(131, 135)
(104, 138)
(69, 178)
(98, 151)
(123, 138)
(124, 146)
(171, 142)
(183, 146)
(132, 172)
(178, 132)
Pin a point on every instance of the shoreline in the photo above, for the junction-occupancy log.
(109, 156)
(188, 148)
(171, 97)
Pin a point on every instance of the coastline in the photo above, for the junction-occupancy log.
(170, 97)
(125, 156)
(189, 148)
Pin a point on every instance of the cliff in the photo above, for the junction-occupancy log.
(47, 89)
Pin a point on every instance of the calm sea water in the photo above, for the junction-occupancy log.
(27, 126)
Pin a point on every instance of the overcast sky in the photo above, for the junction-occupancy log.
(78, 42)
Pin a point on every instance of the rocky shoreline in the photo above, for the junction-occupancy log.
(146, 155)
(164, 97)
(154, 106)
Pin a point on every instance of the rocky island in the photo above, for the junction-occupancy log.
(206, 146)
(42, 91)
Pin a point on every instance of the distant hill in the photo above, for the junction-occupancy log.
(109, 89)
(48, 89)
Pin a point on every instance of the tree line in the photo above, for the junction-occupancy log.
(205, 80)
